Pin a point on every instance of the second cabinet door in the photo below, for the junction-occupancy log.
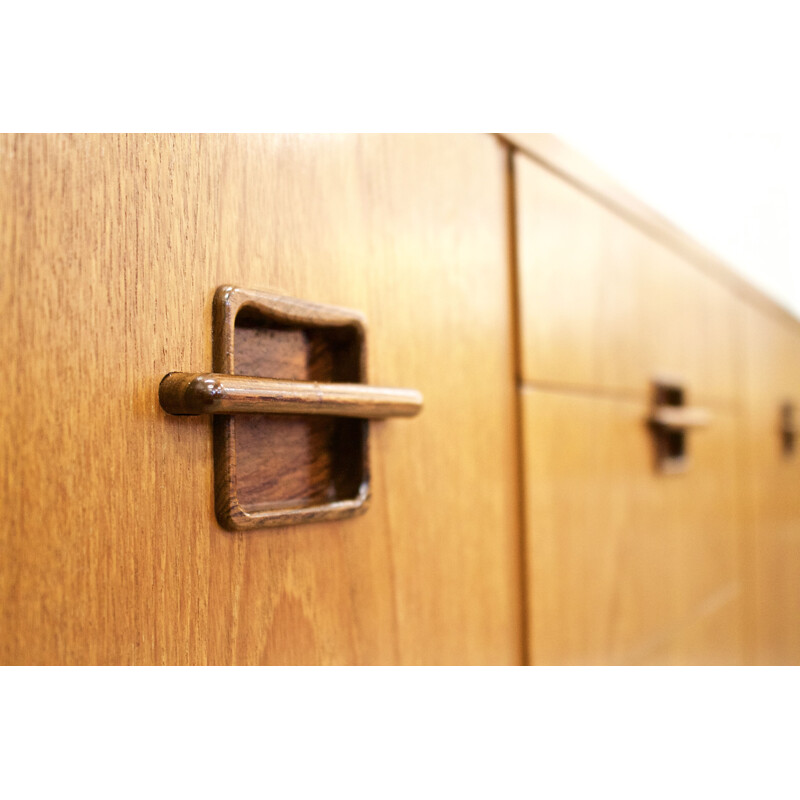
(626, 564)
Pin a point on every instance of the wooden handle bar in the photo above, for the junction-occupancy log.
(680, 417)
(212, 393)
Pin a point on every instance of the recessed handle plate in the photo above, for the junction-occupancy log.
(290, 405)
(670, 421)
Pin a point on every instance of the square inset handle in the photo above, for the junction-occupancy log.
(670, 420)
(290, 405)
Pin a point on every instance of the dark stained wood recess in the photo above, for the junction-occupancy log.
(307, 466)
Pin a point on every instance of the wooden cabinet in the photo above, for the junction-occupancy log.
(112, 248)
(520, 517)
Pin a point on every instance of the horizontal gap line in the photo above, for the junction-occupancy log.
(589, 391)
(623, 395)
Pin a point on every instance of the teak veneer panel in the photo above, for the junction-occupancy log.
(605, 306)
(111, 249)
(626, 566)
(610, 292)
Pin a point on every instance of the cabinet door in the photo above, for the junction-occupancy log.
(627, 566)
(605, 306)
(771, 379)
(111, 249)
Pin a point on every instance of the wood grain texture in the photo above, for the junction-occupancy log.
(111, 248)
(770, 382)
(604, 306)
(626, 566)
(610, 297)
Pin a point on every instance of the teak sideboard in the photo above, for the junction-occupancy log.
(408, 399)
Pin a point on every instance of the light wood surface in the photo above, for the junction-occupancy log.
(610, 295)
(604, 306)
(627, 562)
(112, 248)
(627, 566)
(770, 380)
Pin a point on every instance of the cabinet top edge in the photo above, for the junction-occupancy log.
(566, 162)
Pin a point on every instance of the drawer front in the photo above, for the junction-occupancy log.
(111, 249)
(626, 566)
(603, 305)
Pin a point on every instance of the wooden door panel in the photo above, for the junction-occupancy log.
(603, 305)
(111, 250)
(626, 565)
